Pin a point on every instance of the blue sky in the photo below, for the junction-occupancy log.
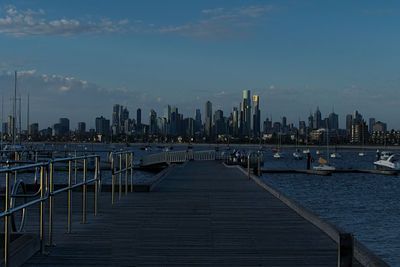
(78, 58)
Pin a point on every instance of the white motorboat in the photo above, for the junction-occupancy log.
(297, 155)
(391, 163)
(362, 154)
(317, 152)
(278, 155)
(336, 155)
(305, 151)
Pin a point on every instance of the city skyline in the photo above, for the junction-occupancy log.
(77, 59)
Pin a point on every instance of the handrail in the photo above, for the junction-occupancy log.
(46, 192)
(125, 157)
(178, 156)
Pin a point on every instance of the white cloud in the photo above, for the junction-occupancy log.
(30, 22)
(221, 23)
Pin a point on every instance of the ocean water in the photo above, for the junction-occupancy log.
(367, 205)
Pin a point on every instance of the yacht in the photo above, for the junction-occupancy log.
(336, 155)
(390, 163)
(297, 155)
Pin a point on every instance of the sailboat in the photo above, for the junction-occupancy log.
(278, 153)
(362, 153)
(297, 154)
(323, 163)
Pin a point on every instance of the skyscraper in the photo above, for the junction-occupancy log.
(317, 119)
(310, 121)
(333, 121)
(153, 122)
(102, 126)
(208, 119)
(246, 112)
(349, 121)
(219, 122)
(371, 124)
(256, 116)
(167, 112)
(235, 122)
(115, 119)
(197, 122)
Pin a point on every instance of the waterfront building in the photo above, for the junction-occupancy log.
(310, 121)
(333, 121)
(189, 126)
(302, 127)
(33, 129)
(379, 127)
(359, 132)
(64, 126)
(208, 119)
(102, 126)
(139, 121)
(219, 121)
(197, 123)
(81, 128)
(349, 122)
(277, 127)
(153, 122)
(371, 124)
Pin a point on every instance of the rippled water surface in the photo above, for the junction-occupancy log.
(366, 205)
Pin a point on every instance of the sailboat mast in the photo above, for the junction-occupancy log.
(327, 144)
(14, 109)
(27, 117)
(19, 121)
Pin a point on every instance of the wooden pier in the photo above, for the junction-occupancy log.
(200, 213)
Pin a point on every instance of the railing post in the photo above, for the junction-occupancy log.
(7, 222)
(248, 166)
(84, 193)
(346, 250)
(126, 173)
(42, 188)
(69, 196)
(51, 204)
(259, 164)
(112, 179)
(132, 171)
(75, 169)
(120, 177)
(96, 184)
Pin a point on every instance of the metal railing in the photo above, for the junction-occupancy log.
(46, 192)
(178, 157)
(121, 162)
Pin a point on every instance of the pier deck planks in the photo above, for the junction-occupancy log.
(202, 213)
